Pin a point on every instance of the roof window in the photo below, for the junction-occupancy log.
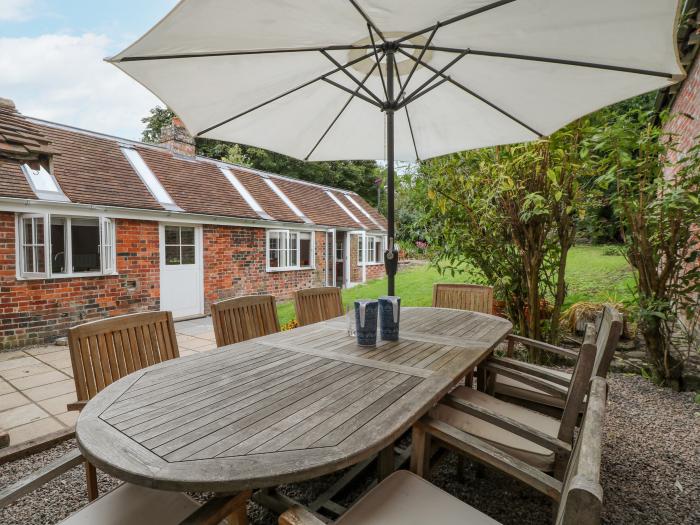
(149, 179)
(243, 191)
(43, 184)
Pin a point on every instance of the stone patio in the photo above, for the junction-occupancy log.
(36, 383)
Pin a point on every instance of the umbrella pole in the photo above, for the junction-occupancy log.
(391, 256)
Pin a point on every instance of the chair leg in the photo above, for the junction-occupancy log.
(481, 379)
(420, 452)
(91, 478)
(238, 516)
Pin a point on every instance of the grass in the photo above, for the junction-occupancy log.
(592, 274)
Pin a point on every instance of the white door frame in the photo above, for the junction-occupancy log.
(330, 258)
(198, 254)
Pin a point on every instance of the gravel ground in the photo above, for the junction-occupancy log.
(651, 471)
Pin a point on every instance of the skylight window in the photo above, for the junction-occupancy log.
(364, 212)
(149, 179)
(43, 184)
(243, 191)
(286, 200)
(344, 208)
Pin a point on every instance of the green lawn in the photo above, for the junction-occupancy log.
(592, 276)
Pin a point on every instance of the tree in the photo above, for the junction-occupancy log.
(512, 211)
(359, 176)
(656, 199)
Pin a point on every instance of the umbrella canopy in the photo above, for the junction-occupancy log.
(399, 79)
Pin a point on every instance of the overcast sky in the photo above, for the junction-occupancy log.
(51, 61)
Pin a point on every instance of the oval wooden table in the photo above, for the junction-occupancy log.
(281, 408)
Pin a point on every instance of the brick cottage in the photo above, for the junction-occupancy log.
(94, 226)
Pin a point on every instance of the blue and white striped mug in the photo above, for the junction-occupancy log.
(389, 314)
(366, 322)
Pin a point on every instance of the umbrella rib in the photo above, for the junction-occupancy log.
(354, 93)
(417, 92)
(475, 95)
(547, 60)
(454, 19)
(374, 50)
(368, 19)
(420, 57)
(236, 53)
(408, 117)
(347, 103)
(281, 95)
(351, 76)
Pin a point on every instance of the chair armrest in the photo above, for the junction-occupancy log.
(565, 352)
(528, 368)
(540, 384)
(76, 405)
(217, 509)
(507, 423)
(40, 477)
(299, 516)
(488, 454)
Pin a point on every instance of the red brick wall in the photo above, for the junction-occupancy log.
(39, 310)
(234, 264)
(687, 102)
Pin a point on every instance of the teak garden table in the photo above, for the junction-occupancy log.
(281, 408)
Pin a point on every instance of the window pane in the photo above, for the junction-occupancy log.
(378, 250)
(172, 235)
(39, 259)
(186, 235)
(28, 231)
(38, 231)
(58, 245)
(305, 252)
(172, 255)
(187, 255)
(85, 245)
(28, 259)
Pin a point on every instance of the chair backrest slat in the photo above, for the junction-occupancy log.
(104, 351)
(609, 332)
(580, 379)
(244, 318)
(582, 495)
(472, 297)
(314, 305)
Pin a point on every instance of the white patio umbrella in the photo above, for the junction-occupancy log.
(399, 79)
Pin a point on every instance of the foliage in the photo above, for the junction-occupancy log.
(359, 176)
(511, 211)
(588, 271)
(656, 199)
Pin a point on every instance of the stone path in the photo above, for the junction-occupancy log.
(36, 383)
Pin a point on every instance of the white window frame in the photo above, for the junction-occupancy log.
(363, 243)
(107, 247)
(289, 234)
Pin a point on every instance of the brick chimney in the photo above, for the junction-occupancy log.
(177, 139)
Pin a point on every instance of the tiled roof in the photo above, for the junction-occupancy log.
(91, 168)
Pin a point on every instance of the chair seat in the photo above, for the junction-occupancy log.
(535, 455)
(135, 505)
(406, 499)
(510, 387)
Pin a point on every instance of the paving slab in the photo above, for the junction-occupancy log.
(36, 383)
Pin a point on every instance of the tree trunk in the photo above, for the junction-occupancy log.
(667, 369)
(554, 327)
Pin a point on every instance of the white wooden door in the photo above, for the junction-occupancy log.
(181, 279)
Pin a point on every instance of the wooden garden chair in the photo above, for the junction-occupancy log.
(472, 297)
(133, 504)
(314, 305)
(104, 351)
(531, 389)
(244, 318)
(539, 440)
(405, 498)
